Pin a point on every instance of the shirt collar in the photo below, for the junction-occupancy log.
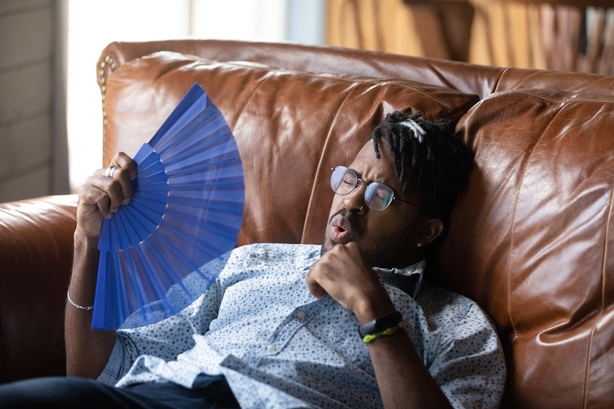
(408, 279)
(411, 276)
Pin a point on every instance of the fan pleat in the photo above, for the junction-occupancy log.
(122, 301)
(227, 209)
(196, 114)
(175, 278)
(137, 284)
(129, 229)
(153, 280)
(201, 167)
(207, 226)
(199, 186)
(185, 260)
(151, 197)
(188, 131)
(121, 232)
(199, 149)
(153, 214)
(193, 242)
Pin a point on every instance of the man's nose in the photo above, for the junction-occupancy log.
(355, 200)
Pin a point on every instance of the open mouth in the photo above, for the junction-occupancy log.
(342, 231)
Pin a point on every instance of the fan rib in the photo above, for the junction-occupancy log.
(205, 206)
(187, 262)
(167, 268)
(138, 287)
(194, 95)
(194, 242)
(146, 226)
(201, 167)
(154, 197)
(154, 280)
(122, 301)
(209, 227)
(142, 208)
(200, 186)
(196, 149)
(186, 133)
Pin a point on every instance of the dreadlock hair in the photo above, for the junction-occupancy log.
(435, 160)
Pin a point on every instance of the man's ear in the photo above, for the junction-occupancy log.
(428, 231)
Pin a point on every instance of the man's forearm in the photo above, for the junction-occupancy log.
(87, 350)
(403, 380)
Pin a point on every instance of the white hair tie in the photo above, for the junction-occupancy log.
(413, 125)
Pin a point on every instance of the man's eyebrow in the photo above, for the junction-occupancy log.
(383, 182)
(360, 176)
(357, 172)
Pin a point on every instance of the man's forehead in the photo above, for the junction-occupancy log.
(367, 164)
(368, 155)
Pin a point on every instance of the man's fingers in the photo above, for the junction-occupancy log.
(125, 163)
(115, 193)
(92, 197)
(124, 174)
(313, 286)
(107, 193)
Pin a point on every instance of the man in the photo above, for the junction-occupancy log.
(278, 328)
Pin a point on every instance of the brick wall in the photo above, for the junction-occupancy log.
(28, 125)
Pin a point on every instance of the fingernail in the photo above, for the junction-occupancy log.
(126, 201)
(114, 210)
(108, 216)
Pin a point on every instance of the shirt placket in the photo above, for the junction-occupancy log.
(299, 317)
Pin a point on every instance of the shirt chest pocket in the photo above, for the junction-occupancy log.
(338, 330)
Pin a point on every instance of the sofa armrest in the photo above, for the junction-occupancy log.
(36, 246)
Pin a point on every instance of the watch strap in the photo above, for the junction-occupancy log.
(380, 324)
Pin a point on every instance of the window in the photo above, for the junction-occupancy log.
(94, 24)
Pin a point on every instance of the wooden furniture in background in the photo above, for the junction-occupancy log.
(563, 35)
(435, 29)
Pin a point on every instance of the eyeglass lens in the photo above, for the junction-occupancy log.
(377, 195)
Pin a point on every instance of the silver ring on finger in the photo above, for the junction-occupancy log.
(110, 171)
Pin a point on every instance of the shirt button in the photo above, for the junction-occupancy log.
(271, 348)
(300, 315)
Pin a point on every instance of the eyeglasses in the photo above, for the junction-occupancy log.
(377, 195)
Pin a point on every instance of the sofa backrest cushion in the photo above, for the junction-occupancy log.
(531, 241)
(468, 78)
(291, 128)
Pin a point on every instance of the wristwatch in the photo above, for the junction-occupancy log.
(380, 324)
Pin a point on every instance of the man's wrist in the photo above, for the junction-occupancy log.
(368, 309)
(84, 242)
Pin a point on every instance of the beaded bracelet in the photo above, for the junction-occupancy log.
(372, 337)
(74, 304)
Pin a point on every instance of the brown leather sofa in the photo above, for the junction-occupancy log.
(530, 237)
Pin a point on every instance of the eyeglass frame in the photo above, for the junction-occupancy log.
(359, 181)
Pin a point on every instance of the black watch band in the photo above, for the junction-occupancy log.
(380, 323)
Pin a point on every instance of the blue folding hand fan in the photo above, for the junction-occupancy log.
(162, 250)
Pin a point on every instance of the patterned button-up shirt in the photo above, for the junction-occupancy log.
(280, 347)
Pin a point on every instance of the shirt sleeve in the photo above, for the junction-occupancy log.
(469, 365)
(165, 339)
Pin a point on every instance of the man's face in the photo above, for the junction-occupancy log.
(386, 238)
